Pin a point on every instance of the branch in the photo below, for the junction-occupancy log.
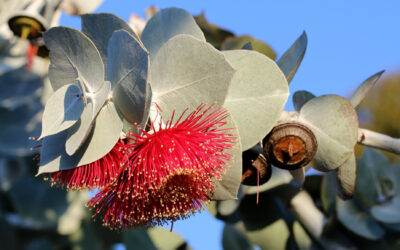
(308, 214)
(376, 140)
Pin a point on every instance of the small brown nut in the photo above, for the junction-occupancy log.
(254, 164)
(290, 145)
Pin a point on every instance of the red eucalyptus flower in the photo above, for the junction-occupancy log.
(170, 172)
(93, 175)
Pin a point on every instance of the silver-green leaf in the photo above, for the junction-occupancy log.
(290, 61)
(257, 94)
(334, 122)
(62, 110)
(127, 69)
(99, 27)
(166, 24)
(188, 72)
(364, 88)
(73, 58)
(300, 98)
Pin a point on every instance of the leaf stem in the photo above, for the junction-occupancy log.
(376, 140)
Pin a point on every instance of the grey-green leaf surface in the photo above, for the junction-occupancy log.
(346, 177)
(138, 239)
(166, 24)
(16, 126)
(237, 42)
(235, 239)
(106, 132)
(127, 69)
(228, 187)
(388, 212)
(36, 202)
(328, 192)
(80, 131)
(300, 98)
(299, 175)
(372, 166)
(164, 239)
(364, 88)
(188, 72)
(334, 122)
(73, 57)
(62, 110)
(291, 59)
(278, 177)
(99, 27)
(358, 221)
(257, 94)
(102, 139)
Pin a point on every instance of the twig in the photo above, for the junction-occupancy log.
(373, 139)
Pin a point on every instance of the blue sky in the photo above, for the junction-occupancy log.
(348, 41)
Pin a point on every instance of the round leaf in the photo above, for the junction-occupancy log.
(334, 122)
(300, 98)
(80, 131)
(99, 27)
(235, 239)
(127, 69)
(388, 212)
(237, 42)
(358, 221)
(62, 110)
(257, 94)
(228, 187)
(188, 72)
(105, 134)
(166, 24)
(16, 126)
(346, 177)
(73, 58)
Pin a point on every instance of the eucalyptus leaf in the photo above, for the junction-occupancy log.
(214, 34)
(358, 221)
(62, 110)
(278, 177)
(104, 135)
(328, 192)
(300, 98)
(165, 240)
(346, 176)
(166, 24)
(372, 167)
(138, 239)
(18, 88)
(80, 131)
(334, 122)
(303, 240)
(257, 94)
(291, 59)
(235, 239)
(99, 27)
(388, 212)
(364, 88)
(37, 203)
(188, 72)
(16, 126)
(237, 42)
(127, 69)
(299, 175)
(73, 58)
(228, 187)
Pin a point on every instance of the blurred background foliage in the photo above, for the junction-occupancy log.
(287, 216)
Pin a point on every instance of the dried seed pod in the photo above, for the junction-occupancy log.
(254, 164)
(290, 145)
